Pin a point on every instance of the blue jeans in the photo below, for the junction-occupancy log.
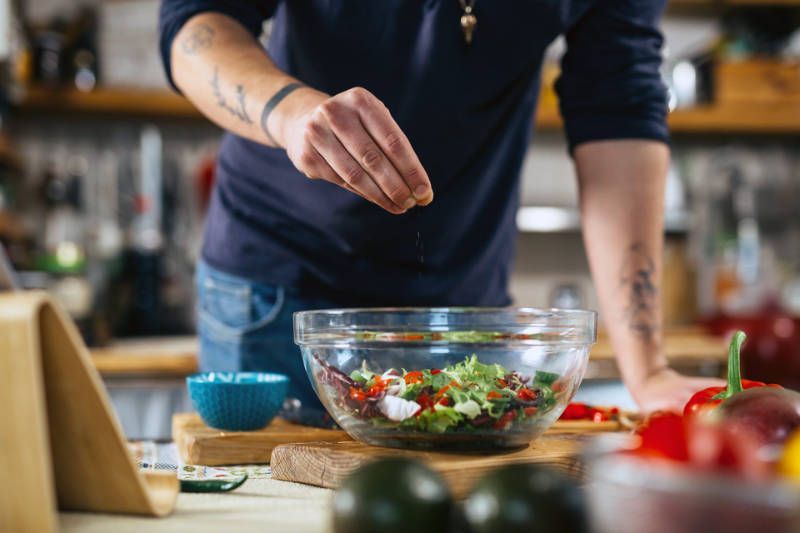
(247, 326)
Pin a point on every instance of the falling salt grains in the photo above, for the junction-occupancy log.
(420, 247)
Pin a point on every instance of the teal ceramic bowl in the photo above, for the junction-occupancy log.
(237, 401)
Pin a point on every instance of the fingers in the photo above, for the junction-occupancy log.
(351, 140)
(323, 171)
(349, 130)
(347, 169)
(393, 142)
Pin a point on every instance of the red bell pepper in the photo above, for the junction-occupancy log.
(663, 435)
(710, 398)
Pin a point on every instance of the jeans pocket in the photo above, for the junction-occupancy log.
(230, 307)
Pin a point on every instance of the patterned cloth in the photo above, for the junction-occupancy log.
(151, 455)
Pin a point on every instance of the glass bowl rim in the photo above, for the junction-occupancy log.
(571, 326)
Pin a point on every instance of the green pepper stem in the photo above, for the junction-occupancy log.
(734, 367)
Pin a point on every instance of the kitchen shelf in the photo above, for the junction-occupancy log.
(542, 219)
(744, 118)
(741, 118)
(141, 102)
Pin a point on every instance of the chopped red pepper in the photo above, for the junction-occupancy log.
(493, 395)
(526, 394)
(530, 411)
(377, 387)
(444, 389)
(425, 402)
(710, 398)
(505, 420)
(444, 401)
(577, 411)
(502, 383)
(435, 371)
(414, 377)
(582, 411)
(414, 336)
(357, 394)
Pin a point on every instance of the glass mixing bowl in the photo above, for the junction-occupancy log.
(449, 378)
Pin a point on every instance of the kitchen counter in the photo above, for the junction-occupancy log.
(262, 505)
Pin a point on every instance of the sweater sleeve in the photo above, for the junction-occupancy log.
(173, 14)
(610, 85)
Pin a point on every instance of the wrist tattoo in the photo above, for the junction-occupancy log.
(238, 109)
(637, 281)
(272, 103)
(200, 37)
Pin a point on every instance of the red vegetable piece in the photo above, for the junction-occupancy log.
(504, 421)
(577, 411)
(424, 400)
(526, 394)
(664, 435)
(414, 377)
(357, 394)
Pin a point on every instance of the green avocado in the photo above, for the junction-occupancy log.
(525, 498)
(392, 495)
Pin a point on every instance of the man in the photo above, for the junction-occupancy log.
(373, 157)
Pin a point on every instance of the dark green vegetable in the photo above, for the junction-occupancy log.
(525, 498)
(212, 485)
(545, 378)
(392, 495)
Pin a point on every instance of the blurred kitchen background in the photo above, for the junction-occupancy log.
(104, 175)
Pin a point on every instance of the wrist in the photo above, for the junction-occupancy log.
(638, 371)
(290, 111)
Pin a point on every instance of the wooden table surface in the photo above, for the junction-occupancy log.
(260, 505)
(176, 357)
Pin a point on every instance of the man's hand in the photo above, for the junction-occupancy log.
(351, 140)
(666, 390)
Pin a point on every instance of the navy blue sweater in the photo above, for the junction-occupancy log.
(468, 112)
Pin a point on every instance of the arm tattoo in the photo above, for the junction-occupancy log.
(200, 37)
(238, 109)
(641, 292)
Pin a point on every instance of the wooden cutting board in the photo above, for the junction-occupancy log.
(326, 464)
(199, 444)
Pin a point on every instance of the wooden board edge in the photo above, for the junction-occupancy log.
(285, 456)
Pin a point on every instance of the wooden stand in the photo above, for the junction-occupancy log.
(62, 446)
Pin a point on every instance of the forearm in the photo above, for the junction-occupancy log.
(224, 71)
(621, 196)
